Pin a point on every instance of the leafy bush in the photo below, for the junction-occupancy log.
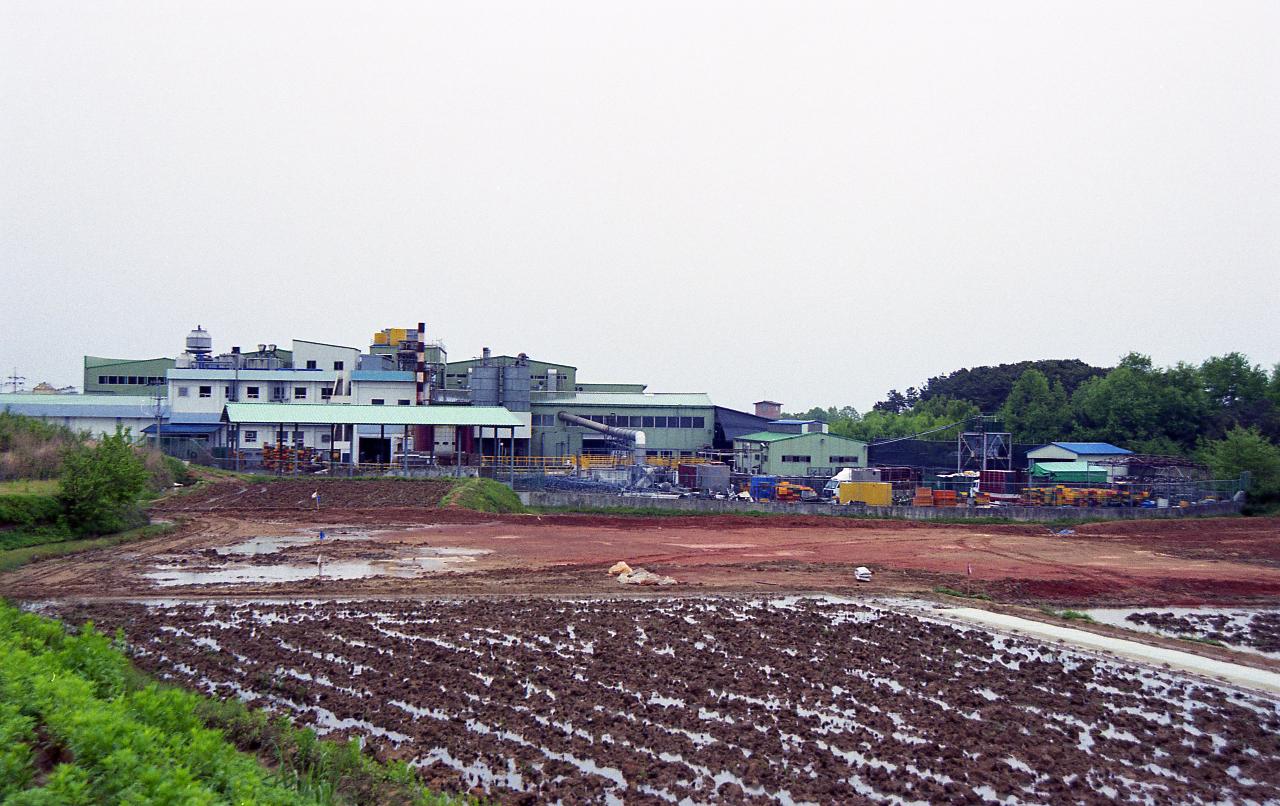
(101, 485)
(28, 510)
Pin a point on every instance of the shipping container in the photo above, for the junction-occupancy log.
(872, 493)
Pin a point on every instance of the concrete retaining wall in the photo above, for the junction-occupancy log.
(599, 501)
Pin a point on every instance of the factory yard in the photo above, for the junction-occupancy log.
(227, 547)
(776, 700)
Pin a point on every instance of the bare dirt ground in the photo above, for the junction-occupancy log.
(496, 655)
(1217, 561)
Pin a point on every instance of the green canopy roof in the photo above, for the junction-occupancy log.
(1070, 471)
(352, 414)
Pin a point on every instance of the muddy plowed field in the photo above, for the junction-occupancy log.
(717, 700)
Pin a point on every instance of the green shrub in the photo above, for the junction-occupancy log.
(29, 510)
(100, 485)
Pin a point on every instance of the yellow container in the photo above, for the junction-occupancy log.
(380, 337)
(872, 493)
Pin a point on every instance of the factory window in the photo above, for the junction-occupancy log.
(699, 422)
(659, 422)
(325, 438)
(798, 458)
(251, 392)
(844, 460)
(646, 422)
(281, 436)
(206, 391)
(183, 391)
(250, 436)
(326, 392)
(297, 437)
(226, 392)
(686, 422)
(636, 422)
(377, 401)
(299, 393)
(337, 366)
(102, 379)
(404, 401)
(311, 365)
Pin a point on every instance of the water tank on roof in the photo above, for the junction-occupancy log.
(199, 343)
(515, 387)
(484, 386)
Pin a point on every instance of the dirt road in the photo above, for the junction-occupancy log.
(420, 551)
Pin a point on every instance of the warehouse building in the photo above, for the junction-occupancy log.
(122, 376)
(797, 448)
(92, 414)
(674, 424)
(1078, 461)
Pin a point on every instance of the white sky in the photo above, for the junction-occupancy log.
(812, 202)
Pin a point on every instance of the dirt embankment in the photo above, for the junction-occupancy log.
(297, 494)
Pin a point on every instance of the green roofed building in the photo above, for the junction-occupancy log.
(796, 449)
(123, 376)
(674, 424)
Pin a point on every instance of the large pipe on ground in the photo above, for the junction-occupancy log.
(630, 434)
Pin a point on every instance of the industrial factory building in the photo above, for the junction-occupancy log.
(224, 405)
(797, 448)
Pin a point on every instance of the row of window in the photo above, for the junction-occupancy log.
(278, 393)
(620, 421)
(382, 401)
(130, 380)
(249, 437)
(803, 459)
(337, 365)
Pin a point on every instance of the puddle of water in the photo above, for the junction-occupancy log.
(274, 543)
(420, 561)
(1239, 617)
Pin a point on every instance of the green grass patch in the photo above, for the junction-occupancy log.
(18, 557)
(1068, 615)
(29, 487)
(945, 591)
(1195, 639)
(80, 725)
(482, 495)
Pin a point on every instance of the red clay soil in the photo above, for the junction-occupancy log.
(296, 494)
(1129, 563)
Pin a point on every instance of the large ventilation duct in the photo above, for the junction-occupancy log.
(630, 434)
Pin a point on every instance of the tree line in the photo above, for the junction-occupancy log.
(1224, 411)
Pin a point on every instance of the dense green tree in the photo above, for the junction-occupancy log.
(1246, 450)
(987, 387)
(924, 417)
(1036, 411)
(1230, 381)
(100, 484)
(1137, 404)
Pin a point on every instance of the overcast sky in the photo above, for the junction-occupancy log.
(811, 202)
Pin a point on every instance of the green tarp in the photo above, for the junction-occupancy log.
(1070, 472)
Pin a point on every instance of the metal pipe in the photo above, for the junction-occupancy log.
(632, 435)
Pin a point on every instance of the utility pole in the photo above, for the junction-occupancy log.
(14, 381)
(159, 410)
